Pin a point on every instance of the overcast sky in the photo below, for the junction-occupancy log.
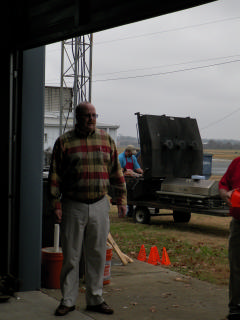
(180, 64)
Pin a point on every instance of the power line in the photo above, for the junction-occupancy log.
(168, 30)
(168, 72)
(167, 65)
(221, 119)
(50, 50)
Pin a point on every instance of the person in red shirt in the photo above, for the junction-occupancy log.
(228, 183)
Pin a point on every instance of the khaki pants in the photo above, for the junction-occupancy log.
(84, 226)
(234, 262)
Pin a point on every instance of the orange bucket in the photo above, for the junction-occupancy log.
(235, 199)
(107, 269)
(51, 268)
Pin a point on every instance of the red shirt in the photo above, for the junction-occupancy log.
(231, 181)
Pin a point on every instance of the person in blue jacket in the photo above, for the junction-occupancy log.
(128, 161)
(130, 167)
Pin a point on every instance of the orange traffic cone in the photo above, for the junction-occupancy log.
(153, 256)
(142, 254)
(165, 258)
(157, 254)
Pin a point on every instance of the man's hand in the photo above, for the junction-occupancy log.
(58, 215)
(128, 172)
(226, 196)
(122, 210)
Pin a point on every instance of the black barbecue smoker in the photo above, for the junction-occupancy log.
(172, 160)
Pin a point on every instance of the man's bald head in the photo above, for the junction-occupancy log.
(86, 117)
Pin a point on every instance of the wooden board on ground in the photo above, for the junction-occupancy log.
(123, 257)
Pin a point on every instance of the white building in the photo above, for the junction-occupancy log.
(52, 99)
(52, 127)
(52, 116)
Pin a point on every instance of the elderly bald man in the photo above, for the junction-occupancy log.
(84, 166)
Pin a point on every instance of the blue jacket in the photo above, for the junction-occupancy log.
(122, 160)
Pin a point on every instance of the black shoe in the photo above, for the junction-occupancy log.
(233, 316)
(63, 310)
(101, 308)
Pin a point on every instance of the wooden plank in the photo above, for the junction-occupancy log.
(118, 251)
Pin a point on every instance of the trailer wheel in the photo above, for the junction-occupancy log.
(142, 215)
(181, 216)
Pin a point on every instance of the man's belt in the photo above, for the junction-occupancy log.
(91, 201)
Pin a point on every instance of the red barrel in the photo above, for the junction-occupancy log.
(51, 268)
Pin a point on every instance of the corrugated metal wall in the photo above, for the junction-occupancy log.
(52, 99)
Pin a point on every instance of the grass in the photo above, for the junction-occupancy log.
(198, 249)
(223, 154)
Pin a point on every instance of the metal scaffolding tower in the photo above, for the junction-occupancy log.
(76, 73)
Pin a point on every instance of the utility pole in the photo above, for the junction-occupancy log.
(76, 73)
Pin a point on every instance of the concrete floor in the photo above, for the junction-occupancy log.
(144, 292)
(136, 291)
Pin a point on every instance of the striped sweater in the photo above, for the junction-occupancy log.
(84, 168)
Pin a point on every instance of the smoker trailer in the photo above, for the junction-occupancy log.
(172, 160)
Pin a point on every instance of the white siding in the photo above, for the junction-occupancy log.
(52, 114)
(52, 99)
